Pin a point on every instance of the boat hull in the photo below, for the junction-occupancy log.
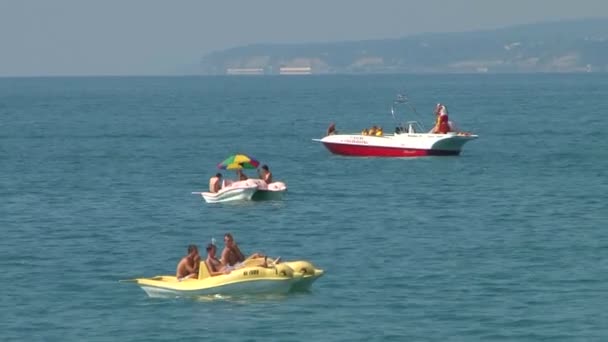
(397, 145)
(382, 151)
(309, 274)
(268, 192)
(248, 278)
(244, 194)
(237, 191)
(262, 286)
(264, 195)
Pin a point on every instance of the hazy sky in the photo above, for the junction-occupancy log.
(154, 37)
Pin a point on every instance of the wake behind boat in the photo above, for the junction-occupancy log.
(409, 139)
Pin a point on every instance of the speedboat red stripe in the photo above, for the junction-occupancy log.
(384, 151)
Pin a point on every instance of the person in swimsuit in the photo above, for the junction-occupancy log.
(188, 266)
(241, 175)
(265, 174)
(232, 255)
(214, 266)
(215, 183)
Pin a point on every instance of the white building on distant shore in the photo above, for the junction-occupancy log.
(244, 71)
(295, 71)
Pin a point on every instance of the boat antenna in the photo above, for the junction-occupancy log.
(403, 99)
(393, 114)
(400, 99)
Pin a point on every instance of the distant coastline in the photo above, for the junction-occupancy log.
(574, 46)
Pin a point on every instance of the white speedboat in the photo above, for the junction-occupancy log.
(234, 191)
(406, 143)
(409, 140)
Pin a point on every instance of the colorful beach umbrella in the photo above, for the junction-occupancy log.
(239, 161)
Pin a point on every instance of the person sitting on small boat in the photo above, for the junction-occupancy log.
(265, 174)
(364, 132)
(379, 132)
(215, 183)
(188, 266)
(241, 175)
(232, 255)
(213, 264)
(442, 125)
(331, 130)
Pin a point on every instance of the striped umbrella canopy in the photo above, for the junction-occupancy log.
(238, 161)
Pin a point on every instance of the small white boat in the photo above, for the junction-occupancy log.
(234, 191)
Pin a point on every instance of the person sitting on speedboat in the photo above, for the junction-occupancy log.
(232, 255)
(241, 175)
(364, 132)
(188, 266)
(379, 132)
(265, 174)
(215, 183)
(213, 264)
(331, 130)
(372, 131)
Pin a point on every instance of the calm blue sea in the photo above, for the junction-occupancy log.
(506, 242)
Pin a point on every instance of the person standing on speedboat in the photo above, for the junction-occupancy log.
(442, 124)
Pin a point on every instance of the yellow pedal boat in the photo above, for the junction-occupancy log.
(250, 278)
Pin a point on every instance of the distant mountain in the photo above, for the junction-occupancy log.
(564, 46)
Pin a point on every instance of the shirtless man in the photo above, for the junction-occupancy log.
(188, 266)
(232, 254)
(241, 175)
(215, 183)
(265, 174)
(213, 264)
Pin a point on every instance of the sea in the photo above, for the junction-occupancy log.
(506, 242)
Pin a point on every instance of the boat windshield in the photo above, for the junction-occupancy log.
(409, 127)
(402, 101)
